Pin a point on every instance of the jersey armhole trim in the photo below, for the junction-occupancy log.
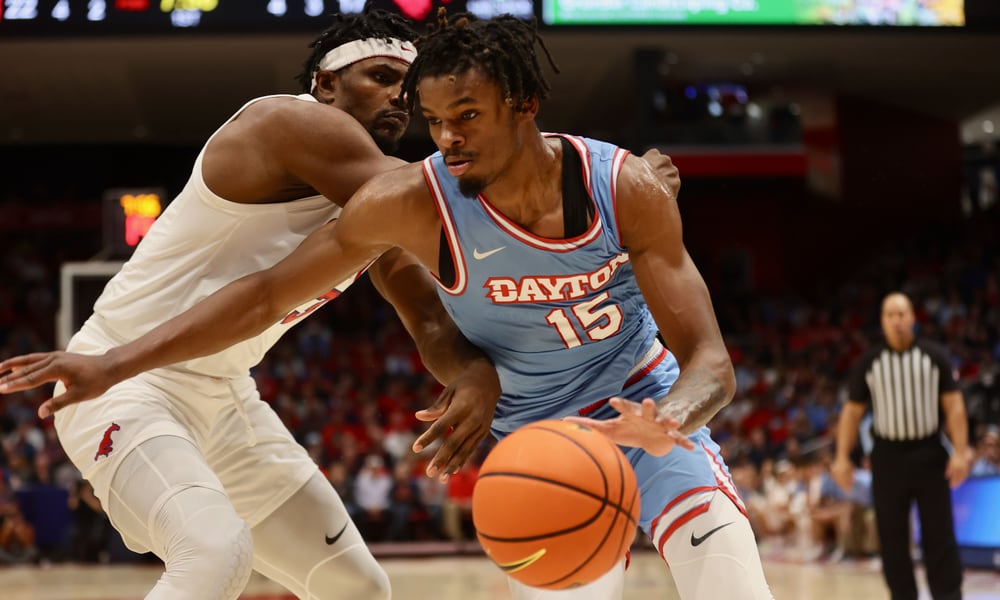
(448, 225)
(198, 175)
(616, 166)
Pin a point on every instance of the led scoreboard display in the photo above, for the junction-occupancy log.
(98, 17)
(128, 215)
(102, 17)
(916, 13)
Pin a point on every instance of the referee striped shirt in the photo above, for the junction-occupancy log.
(903, 389)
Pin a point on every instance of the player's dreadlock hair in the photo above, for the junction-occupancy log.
(501, 47)
(370, 23)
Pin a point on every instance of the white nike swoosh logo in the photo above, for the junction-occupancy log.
(476, 254)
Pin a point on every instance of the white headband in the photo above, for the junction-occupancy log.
(352, 52)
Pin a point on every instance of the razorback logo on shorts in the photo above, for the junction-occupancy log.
(105, 448)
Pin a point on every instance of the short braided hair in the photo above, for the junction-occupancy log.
(370, 23)
(502, 48)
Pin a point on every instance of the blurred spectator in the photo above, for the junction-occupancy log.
(407, 515)
(371, 491)
(458, 502)
(91, 532)
(786, 505)
(987, 454)
(849, 517)
(17, 537)
(399, 435)
(432, 497)
(746, 478)
(343, 482)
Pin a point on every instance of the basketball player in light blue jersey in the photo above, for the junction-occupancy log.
(561, 258)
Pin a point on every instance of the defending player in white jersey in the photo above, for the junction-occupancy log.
(187, 460)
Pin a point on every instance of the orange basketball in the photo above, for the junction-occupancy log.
(556, 505)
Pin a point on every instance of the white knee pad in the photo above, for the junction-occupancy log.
(207, 548)
(714, 554)
(610, 586)
(165, 498)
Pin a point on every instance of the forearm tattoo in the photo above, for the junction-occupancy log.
(694, 399)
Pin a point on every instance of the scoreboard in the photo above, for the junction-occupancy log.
(100, 17)
(47, 18)
(128, 215)
(913, 13)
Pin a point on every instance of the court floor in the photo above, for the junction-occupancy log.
(474, 578)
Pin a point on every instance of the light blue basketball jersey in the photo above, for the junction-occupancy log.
(567, 328)
(563, 320)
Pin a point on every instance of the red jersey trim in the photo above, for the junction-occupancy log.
(617, 163)
(461, 274)
(542, 243)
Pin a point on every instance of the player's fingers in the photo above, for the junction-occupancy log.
(26, 378)
(469, 443)
(17, 362)
(438, 408)
(668, 423)
(599, 426)
(427, 415)
(50, 406)
(438, 465)
(439, 461)
(682, 440)
(45, 410)
(649, 409)
(625, 407)
(437, 430)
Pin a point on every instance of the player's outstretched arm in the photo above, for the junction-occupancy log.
(465, 408)
(238, 311)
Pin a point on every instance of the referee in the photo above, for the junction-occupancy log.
(909, 386)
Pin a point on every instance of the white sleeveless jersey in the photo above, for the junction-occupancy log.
(199, 244)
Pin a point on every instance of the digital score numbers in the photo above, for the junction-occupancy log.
(76, 17)
(128, 215)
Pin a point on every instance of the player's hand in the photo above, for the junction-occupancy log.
(958, 468)
(639, 425)
(665, 168)
(461, 418)
(842, 472)
(85, 377)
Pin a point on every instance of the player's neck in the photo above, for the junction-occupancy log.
(530, 186)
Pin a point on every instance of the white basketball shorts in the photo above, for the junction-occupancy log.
(258, 462)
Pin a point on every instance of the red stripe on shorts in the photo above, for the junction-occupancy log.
(586, 410)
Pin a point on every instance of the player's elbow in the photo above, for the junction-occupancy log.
(728, 385)
(727, 377)
(266, 307)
